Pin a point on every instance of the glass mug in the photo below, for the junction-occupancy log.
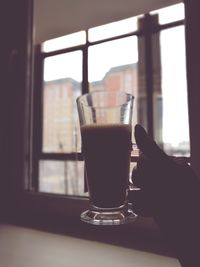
(105, 122)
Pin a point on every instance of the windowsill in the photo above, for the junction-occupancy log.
(22, 246)
(62, 216)
(58, 215)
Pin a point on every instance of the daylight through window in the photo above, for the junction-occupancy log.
(136, 55)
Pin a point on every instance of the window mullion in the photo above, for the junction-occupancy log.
(37, 118)
(149, 72)
(85, 84)
(147, 25)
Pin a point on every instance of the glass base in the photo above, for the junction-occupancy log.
(109, 216)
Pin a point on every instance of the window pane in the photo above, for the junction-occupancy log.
(170, 14)
(62, 85)
(112, 29)
(62, 177)
(113, 66)
(174, 92)
(66, 41)
(112, 56)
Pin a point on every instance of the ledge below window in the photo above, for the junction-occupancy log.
(25, 247)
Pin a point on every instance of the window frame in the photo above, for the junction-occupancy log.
(148, 26)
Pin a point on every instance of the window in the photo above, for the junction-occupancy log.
(62, 85)
(174, 92)
(135, 55)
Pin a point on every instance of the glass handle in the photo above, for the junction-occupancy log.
(135, 154)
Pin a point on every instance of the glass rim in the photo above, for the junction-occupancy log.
(81, 97)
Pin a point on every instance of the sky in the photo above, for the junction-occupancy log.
(101, 59)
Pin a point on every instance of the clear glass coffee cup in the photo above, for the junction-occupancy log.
(105, 123)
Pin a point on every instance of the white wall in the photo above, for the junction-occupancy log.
(53, 18)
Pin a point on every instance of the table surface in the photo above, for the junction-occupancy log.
(24, 247)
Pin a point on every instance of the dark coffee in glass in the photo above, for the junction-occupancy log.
(105, 121)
